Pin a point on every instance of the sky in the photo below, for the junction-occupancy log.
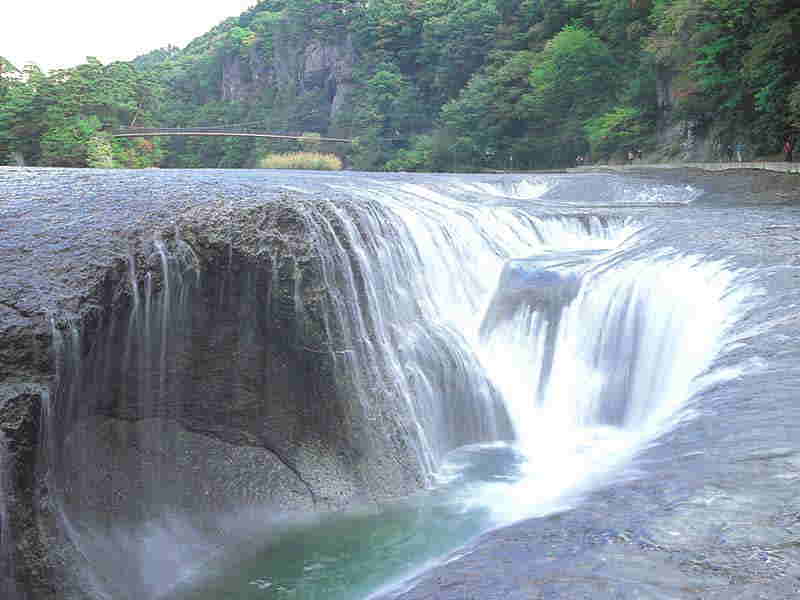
(62, 33)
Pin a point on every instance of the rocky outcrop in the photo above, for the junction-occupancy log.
(299, 65)
(676, 138)
(330, 67)
(25, 568)
(185, 364)
(525, 284)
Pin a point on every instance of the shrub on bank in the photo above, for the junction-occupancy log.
(99, 152)
(316, 161)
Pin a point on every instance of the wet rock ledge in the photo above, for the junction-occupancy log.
(169, 327)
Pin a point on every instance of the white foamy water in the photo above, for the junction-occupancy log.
(628, 354)
(587, 383)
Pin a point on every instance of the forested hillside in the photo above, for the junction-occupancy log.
(435, 85)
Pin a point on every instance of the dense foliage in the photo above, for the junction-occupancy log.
(62, 118)
(435, 84)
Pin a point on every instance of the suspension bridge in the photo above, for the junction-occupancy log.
(228, 130)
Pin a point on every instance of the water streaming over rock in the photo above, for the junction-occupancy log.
(442, 316)
(602, 367)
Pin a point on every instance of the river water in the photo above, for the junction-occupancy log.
(582, 328)
(562, 342)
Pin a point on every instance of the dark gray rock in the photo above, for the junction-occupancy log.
(161, 333)
(527, 285)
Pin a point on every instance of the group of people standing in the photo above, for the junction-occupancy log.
(634, 155)
(736, 151)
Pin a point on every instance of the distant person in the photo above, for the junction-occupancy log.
(788, 149)
(739, 151)
(729, 152)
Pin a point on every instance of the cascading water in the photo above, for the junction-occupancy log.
(430, 264)
(549, 341)
(597, 375)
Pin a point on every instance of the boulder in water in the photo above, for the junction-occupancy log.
(524, 283)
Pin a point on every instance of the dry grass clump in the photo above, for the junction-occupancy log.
(316, 161)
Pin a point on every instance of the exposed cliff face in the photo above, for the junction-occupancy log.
(299, 65)
(678, 139)
(25, 383)
(331, 68)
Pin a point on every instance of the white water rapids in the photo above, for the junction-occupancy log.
(587, 377)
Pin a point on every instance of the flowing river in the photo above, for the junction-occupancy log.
(544, 334)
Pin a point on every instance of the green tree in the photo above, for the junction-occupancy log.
(574, 79)
(456, 39)
(772, 70)
(50, 118)
(22, 115)
(618, 131)
(65, 143)
(8, 80)
(99, 152)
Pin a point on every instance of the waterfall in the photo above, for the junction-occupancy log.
(601, 372)
(429, 264)
(475, 316)
(621, 351)
(593, 356)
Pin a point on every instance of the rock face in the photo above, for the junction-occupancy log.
(539, 291)
(170, 365)
(315, 71)
(25, 384)
(25, 570)
(678, 139)
(526, 284)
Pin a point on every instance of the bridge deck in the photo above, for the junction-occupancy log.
(185, 131)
